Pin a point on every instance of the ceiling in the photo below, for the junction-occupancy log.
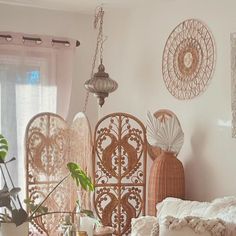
(73, 5)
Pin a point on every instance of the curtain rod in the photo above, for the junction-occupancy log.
(39, 40)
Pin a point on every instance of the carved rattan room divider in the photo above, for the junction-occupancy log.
(120, 151)
(50, 144)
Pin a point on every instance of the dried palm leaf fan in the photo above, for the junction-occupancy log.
(162, 115)
(167, 174)
(166, 135)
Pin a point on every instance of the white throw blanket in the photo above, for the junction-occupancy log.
(215, 227)
(221, 212)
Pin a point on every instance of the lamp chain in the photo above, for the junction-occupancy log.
(99, 13)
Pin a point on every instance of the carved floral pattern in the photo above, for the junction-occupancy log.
(120, 170)
(47, 152)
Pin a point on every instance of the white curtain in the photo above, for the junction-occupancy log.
(33, 78)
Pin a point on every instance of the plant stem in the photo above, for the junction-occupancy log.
(53, 212)
(3, 175)
(18, 199)
(31, 216)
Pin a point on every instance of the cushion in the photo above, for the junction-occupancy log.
(142, 226)
(185, 231)
(223, 208)
(189, 226)
(181, 208)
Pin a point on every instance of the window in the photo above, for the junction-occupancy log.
(25, 91)
(34, 78)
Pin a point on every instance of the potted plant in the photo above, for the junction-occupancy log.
(14, 212)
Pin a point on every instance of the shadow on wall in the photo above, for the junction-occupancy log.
(197, 169)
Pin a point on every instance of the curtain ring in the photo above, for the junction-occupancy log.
(36, 40)
(7, 37)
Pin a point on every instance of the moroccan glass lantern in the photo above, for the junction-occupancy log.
(100, 83)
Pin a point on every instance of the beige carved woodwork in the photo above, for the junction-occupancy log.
(50, 145)
(119, 170)
(81, 148)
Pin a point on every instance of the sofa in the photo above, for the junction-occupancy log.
(176, 217)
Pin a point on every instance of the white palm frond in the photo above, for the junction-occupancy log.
(167, 135)
(153, 125)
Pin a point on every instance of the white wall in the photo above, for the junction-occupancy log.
(64, 24)
(133, 56)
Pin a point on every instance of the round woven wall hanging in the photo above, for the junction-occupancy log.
(188, 59)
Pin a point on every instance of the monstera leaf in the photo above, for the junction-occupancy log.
(88, 213)
(80, 176)
(3, 148)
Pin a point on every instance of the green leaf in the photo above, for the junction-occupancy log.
(3, 148)
(80, 176)
(83, 182)
(2, 156)
(88, 213)
(27, 201)
(32, 206)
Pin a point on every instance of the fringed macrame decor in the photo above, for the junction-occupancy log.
(167, 174)
(50, 145)
(119, 170)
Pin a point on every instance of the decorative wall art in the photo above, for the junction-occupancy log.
(188, 59)
(49, 147)
(166, 177)
(233, 83)
(120, 170)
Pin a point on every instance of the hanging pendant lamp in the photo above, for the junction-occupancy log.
(100, 83)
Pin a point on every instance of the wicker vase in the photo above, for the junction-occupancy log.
(166, 180)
